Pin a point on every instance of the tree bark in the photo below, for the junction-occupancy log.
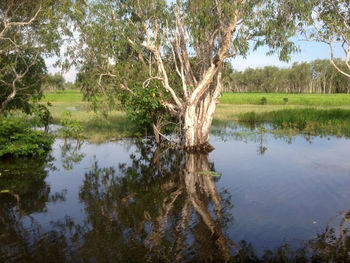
(198, 118)
(6, 102)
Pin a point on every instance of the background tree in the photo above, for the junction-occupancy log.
(54, 82)
(18, 92)
(327, 21)
(318, 76)
(29, 30)
(166, 37)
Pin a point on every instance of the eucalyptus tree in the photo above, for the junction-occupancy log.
(183, 40)
(29, 30)
(327, 21)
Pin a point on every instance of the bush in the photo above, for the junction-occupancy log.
(263, 101)
(18, 139)
(71, 128)
(285, 101)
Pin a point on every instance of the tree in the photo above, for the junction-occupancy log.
(142, 105)
(17, 92)
(327, 21)
(186, 40)
(54, 82)
(29, 30)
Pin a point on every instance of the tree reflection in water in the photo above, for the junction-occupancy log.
(165, 207)
(23, 192)
(162, 207)
(71, 153)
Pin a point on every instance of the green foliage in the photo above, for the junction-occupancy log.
(326, 21)
(42, 116)
(142, 100)
(318, 76)
(54, 82)
(30, 30)
(28, 87)
(17, 139)
(71, 127)
(118, 37)
(285, 101)
(263, 101)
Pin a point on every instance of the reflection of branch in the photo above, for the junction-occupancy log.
(328, 243)
(196, 184)
(155, 237)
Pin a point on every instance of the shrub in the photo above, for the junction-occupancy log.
(18, 139)
(71, 128)
(285, 100)
(42, 116)
(263, 101)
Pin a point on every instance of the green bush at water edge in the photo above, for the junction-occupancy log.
(17, 139)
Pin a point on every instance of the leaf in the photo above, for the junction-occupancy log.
(211, 173)
(5, 191)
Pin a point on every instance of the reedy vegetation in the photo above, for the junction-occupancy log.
(307, 121)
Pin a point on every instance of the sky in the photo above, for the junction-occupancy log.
(309, 51)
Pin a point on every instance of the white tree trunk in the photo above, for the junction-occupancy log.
(198, 119)
(197, 128)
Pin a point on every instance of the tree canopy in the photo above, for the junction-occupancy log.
(327, 21)
(29, 30)
(181, 46)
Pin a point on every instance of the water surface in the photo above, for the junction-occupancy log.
(251, 199)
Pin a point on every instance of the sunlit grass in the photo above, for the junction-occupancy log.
(310, 121)
(68, 96)
(97, 128)
(293, 99)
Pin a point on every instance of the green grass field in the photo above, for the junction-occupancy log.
(293, 99)
(97, 128)
(232, 107)
(67, 96)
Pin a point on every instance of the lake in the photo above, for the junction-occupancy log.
(257, 197)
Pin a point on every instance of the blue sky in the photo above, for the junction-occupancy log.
(309, 52)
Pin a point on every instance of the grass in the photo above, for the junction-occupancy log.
(97, 128)
(232, 107)
(310, 121)
(67, 96)
(293, 99)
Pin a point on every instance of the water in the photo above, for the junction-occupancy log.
(130, 202)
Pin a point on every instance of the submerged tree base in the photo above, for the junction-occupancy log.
(200, 148)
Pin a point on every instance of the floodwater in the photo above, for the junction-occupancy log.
(253, 199)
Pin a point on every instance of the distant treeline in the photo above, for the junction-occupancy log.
(318, 76)
(56, 82)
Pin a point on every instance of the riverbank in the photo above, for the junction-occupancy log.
(232, 107)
